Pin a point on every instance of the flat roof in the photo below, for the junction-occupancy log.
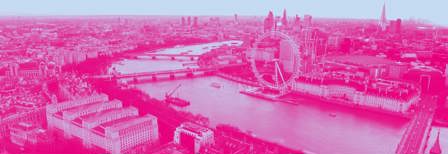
(101, 128)
(66, 105)
(24, 126)
(194, 127)
(363, 60)
(93, 105)
(80, 119)
(84, 107)
(99, 115)
(128, 123)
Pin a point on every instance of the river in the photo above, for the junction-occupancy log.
(311, 125)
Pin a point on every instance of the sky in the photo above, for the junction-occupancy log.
(435, 11)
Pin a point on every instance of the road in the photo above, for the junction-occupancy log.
(414, 139)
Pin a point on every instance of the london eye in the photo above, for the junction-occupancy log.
(275, 60)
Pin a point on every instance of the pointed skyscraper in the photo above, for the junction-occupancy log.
(269, 22)
(297, 20)
(183, 21)
(195, 21)
(284, 19)
(235, 20)
(383, 19)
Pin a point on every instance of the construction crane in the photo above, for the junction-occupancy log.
(172, 91)
(175, 100)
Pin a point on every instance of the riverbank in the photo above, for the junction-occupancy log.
(169, 118)
(307, 125)
(101, 64)
(245, 76)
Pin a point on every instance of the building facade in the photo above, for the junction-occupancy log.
(193, 137)
(103, 123)
(24, 133)
(375, 98)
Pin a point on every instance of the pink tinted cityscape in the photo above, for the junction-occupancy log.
(184, 78)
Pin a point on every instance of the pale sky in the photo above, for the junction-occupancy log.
(435, 11)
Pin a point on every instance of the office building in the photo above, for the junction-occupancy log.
(106, 124)
(193, 136)
(307, 19)
(269, 22)
(24, 133)
(287, 56)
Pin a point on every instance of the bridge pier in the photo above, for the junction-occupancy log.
(170, 74)
(190, 74)
(208, 73)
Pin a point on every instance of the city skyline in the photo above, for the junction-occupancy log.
(223, 77)
(330, 9)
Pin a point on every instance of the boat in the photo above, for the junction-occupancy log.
(176, 101)
(216, 85)
(170, 99)
(332, 115)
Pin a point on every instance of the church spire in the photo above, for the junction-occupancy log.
(383, 19)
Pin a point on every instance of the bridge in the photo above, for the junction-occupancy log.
(416, 135)
(173, 56)
(171, 74)
(189, 72)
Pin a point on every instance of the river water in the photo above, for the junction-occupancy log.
(312, 125)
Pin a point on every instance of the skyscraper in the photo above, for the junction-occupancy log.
(183, 21)
(236, 18)
(195, 21)
(297, 20)
(284, 19)
(307, 20)
(297, 25)
(383, 20)
(269, 22)
(398, 26)
(287, 56)
(189, 20)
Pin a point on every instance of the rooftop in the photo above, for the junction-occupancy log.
(29, 66)
(170, 148)
(194, 128)
(24, 126)
(98, 105)
(101, 128)
(128, 123)
(99, 115)
(82, 108)
(362, 60)
(75, 103)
